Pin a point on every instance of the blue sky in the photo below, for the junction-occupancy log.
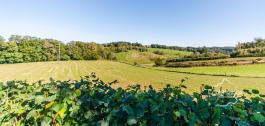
(171, 22)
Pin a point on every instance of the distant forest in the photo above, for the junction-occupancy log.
(19, 49)
(225, 50)
(255, 48)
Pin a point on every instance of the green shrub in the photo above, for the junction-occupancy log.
(159, 52)
(160, 61)
(254, 61)
(90, 101)
(135, 63)
(65, 57)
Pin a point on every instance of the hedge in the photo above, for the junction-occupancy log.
(90, 101)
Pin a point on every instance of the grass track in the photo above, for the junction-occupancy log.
(126, 74)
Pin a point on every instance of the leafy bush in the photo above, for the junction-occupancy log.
(135, 63)
(90, 101)
(159, 52)
(160, 61)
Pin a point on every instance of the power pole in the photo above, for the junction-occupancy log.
(59, 50)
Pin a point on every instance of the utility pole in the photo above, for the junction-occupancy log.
(59, 50)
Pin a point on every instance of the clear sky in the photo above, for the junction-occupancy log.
(171, 22)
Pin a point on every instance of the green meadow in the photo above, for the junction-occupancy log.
(149, 56)
(253, 70)
(129, 74)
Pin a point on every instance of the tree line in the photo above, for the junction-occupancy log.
(255, 48)
(204, 49)
(19, 49)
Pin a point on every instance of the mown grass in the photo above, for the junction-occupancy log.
(125, 74)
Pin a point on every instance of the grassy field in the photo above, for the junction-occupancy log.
(171, 53)
(126, 74)
(253, 70)
(136, 57)
(148, 57)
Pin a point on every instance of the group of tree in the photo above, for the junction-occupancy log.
(123, 46)
(18, 49)
(255, 48)
(199, 56)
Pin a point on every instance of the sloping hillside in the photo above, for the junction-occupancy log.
(136, 57)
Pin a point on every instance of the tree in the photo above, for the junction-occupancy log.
(2, 39)
(50, 49)
(32, 50)
(16, 38)
(9, 53)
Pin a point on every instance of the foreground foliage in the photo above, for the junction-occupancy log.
(90, 101)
